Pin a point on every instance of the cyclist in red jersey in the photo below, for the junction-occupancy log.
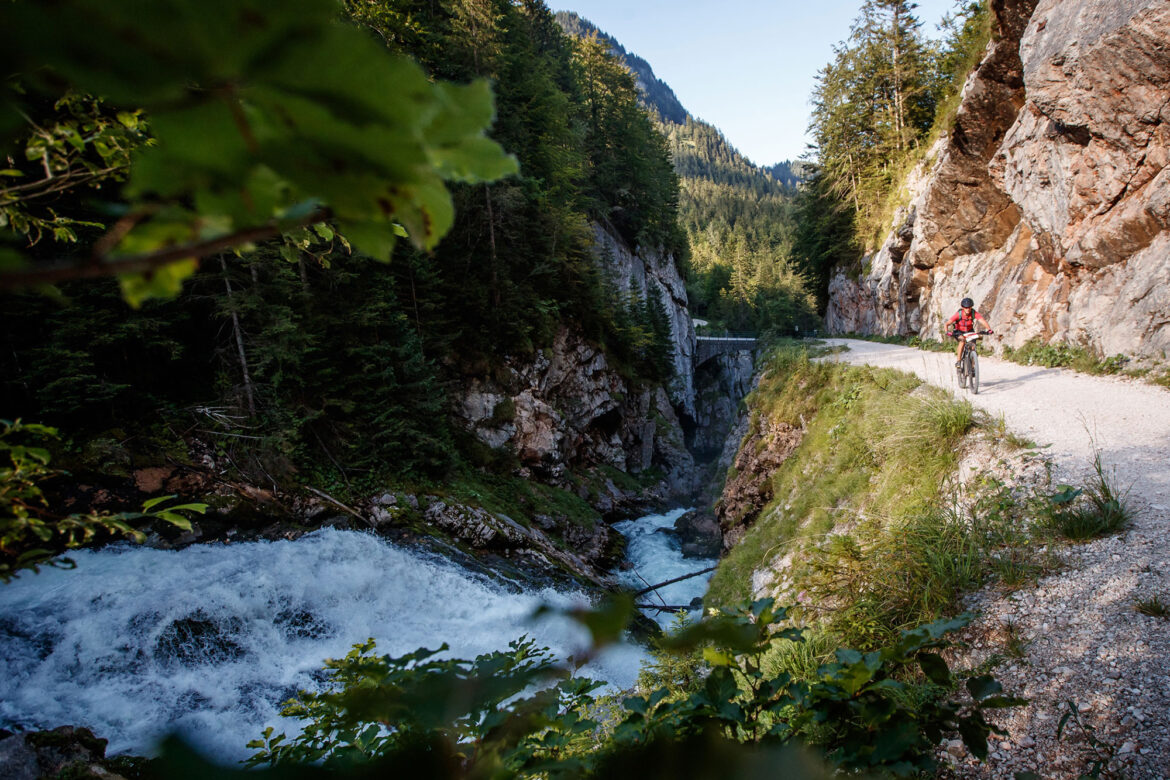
(963, 321)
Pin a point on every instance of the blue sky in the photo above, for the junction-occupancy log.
(745, 66)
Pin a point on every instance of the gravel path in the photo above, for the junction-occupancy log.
(1083, 640)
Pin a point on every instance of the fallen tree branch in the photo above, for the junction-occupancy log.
(644, 591)
(334, 501)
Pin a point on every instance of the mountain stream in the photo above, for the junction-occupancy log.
(209, 640)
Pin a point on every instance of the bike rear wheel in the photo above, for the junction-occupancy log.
(961, 371)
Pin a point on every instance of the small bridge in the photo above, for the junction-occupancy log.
(707, 347)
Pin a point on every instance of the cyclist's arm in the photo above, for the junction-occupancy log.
(950, 326)
(979, 317)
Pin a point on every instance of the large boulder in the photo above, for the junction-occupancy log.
(67, 751)
(699, 534)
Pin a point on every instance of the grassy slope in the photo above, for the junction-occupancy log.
(876, 458)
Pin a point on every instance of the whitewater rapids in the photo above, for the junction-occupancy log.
(210, 640)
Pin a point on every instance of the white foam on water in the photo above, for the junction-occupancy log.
(657, 557)
(211, 639)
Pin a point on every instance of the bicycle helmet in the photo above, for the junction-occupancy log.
(967, 303)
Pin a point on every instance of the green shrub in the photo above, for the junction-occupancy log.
(504, 412)
(31, 534)
(517, 713)
(1037, 353)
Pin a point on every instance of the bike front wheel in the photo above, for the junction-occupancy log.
(973, 373)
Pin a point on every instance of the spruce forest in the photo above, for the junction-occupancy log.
(888, 94)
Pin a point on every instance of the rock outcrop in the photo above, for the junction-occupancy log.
(699, 534)
(585, 549)
(720, 384)
(651, 272)
(68, 751)
(1049, 202)
(749, 482)
(567, 409)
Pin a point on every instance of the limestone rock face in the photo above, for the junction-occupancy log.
(1049, 203)
(568, 409)
(647, 271)
(721, 383)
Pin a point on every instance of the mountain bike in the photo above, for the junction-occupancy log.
(968, 368)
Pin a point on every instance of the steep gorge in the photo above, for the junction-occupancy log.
(1049, 200)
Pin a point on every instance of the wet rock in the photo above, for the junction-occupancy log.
(199, 639)
(18, 761)
(478, 527)
(68, 751)
(699, 534)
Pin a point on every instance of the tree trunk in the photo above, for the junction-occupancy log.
(492, 241)
(248, 392)
(899, 97)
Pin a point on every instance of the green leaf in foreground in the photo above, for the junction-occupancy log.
(254, 107)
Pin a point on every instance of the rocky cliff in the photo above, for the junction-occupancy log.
(720, 384)
(650, 272)
(568, 410)
(1049, 201)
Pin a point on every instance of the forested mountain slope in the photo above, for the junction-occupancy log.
(737, 215)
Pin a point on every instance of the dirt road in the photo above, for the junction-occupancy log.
(1081, 637)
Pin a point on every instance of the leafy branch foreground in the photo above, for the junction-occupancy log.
(519, 713)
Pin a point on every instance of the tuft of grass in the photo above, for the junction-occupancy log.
(1097, 510)
(1019, 442)
(1153, 606)
(1014, 644)
(1016, 567)
(999, 430)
